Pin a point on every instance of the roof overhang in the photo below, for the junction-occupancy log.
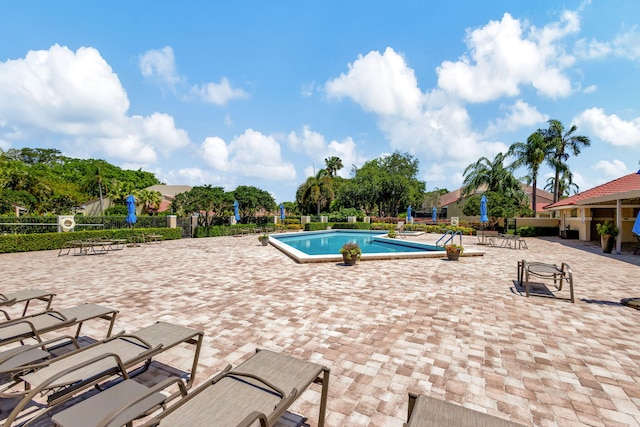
(632, 194)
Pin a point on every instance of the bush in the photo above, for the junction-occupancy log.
(50, 241)
(531, 231)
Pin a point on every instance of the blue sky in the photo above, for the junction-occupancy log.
(261, 92)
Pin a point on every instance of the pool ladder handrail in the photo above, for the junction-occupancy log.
(451, 235)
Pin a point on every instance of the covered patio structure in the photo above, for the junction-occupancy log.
(617, 201)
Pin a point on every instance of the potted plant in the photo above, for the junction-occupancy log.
(453, 251)
(264, 239)
(350, 253)
(392, 234)
(608, 232)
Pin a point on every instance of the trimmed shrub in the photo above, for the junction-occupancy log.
(49, 241)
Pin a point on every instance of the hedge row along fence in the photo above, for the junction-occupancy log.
(49, 241)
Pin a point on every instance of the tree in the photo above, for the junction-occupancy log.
(149, 199)
(334, 164)
(566, 187)
(530, 155)
(498, 206)
(563, 143)
(494, 175)
(316, 193)
(251, 200)
(211, 203)
(92, 180)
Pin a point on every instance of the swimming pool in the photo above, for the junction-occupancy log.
(324, 246)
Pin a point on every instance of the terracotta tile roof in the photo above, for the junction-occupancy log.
(542, 197)
(624, 187)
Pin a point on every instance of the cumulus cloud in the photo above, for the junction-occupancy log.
(610, 128)
(195, 177)
(380, 83)
(77, 100)
(315, 146)
(625, 44)
(160, 66)
(251, 154)
(611, 169)
(506, 54)
(218, 93)
(520, 114)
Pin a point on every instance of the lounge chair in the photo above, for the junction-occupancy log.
(401, 230)
(425, 411)
(545, 271)
(35, 325)
(121, 355)
(27, 296)
(259, 389)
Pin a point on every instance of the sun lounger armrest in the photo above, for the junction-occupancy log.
(43, 345)
(45, 385)
(155, 389)
(252, 417)
(262, 380)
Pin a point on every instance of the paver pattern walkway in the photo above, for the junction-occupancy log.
(458, 331)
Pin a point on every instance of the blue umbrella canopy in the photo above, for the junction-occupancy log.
(636, 225)
(281, 211)
(434, 214)
(131, 209)
(483, 209)
(409, 213)
(235, 210)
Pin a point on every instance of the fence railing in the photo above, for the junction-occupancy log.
(49, 224)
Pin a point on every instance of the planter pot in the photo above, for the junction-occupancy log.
(265, 242)
(607, 241)
(350, 261)
(453, 256)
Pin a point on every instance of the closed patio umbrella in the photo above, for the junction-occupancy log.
(483, 209)
(409, 213)
(131, 210)
(434, 214)
(235, 210)
(281, 211)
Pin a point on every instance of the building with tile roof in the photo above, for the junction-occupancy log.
(451, 203)
(617, 201)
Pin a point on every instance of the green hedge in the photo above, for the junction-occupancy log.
(48, 241)
(317, 226)
(530, 231)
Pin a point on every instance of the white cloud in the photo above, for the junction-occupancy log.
(218, 93)
(76, 100)
(160, 64)
(517, 116)
(251, 154)
(590, 89)
(501, 59)
(611, 129)
(611, 169)
(382, 84)
(195, 177)
(624, 45)
(315, 145)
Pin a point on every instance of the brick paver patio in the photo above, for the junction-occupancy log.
(458, 331)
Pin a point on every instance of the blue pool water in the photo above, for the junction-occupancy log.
(329, 243)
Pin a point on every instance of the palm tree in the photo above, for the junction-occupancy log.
(93, 180)
(149, 199)
(530, 155)
(334, 164)
(566, 186)
(494, 175)
(317, 191)
(562, 143)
